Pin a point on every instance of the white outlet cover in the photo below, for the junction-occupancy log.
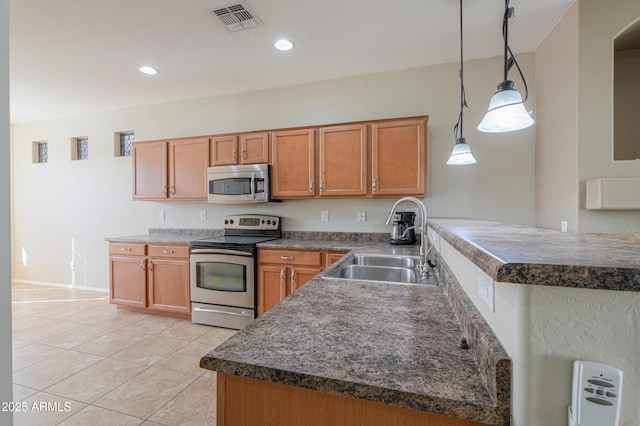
(161, 215)
(324, 216)
(486, 290)
(362, 216)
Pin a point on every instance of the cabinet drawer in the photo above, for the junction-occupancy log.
(169, 251)
(121, 249)
(290, 257)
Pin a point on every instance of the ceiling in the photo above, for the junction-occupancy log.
(72, 57)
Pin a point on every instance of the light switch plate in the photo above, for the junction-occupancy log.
(161, 215)
(324, 216)
(486, 290)
(203, 215)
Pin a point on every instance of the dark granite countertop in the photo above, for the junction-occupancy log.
(167, 236)
(394, 344)
(526, 255)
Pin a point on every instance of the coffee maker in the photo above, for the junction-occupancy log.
(401, 222)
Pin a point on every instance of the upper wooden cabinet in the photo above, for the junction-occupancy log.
(175, 169)
(383, 158)
(343, 152)
(150, 170)
(398, 157)
(247, 148)
(293, 164)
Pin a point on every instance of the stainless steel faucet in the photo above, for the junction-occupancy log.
(424, 264)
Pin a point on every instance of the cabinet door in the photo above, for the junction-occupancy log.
(300, 276)
(128, 281)
(343, 160)
(254, 148)
(332, 257)
(224, 151)
(399, 157)
(150, 170)
(168, 288)
(188, 164)
(272, 286)
(293, 164)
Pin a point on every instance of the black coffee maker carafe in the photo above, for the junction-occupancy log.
(401, 222)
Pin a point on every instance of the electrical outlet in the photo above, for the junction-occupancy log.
(324, 216)
(563, 226)
(203, 215)
(161, 215)
(362, 216)
(486, 290)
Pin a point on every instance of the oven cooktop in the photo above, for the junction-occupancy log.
(244, 229)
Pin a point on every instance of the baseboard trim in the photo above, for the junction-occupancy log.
(52, 284)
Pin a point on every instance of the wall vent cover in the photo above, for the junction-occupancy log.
(236, 16)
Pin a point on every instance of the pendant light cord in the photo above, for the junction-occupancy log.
(458, 128)
(509, 58)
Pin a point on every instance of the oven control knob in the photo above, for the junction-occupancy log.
(226, 222)
(274, 223)
(231, 221)
(268, 222)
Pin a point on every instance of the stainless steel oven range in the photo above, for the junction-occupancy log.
(223, 271)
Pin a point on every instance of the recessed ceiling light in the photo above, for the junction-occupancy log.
(284, 45)
(149, 70)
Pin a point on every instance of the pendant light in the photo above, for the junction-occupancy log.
(506, 111)
(461, 154)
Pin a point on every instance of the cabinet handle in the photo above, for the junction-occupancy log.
(281, 275)
(310, 186)
(321, 185)
(167, 251)
(142, 264)
(244, 151)
(150, 265)
(234, 155)
(126, 249)
(375, 184)
(164, 190)
(293, 276)
(172, 190)
(286, 257)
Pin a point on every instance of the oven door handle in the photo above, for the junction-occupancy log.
(215, 311)
(220, 251)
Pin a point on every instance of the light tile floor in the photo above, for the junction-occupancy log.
(77, 360)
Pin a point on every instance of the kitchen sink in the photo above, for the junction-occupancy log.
(381, 260)
(383, 268)
(377, 273)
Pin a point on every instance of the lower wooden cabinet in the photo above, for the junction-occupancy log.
(250, 402)
(283, 271)
(150, 278)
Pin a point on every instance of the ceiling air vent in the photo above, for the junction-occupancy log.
(236, 16)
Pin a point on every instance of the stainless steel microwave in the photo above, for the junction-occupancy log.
(242, 184)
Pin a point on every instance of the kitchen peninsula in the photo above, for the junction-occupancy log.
(398, 345)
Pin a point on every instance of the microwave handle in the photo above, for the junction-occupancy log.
(220, 251)
(253, 186)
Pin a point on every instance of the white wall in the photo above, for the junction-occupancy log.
(557, 138)
(544, 329)
(600, 22)
(65, 204)
(6, 418)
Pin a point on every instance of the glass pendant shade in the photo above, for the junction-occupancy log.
(461, 154)
(506, 111)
